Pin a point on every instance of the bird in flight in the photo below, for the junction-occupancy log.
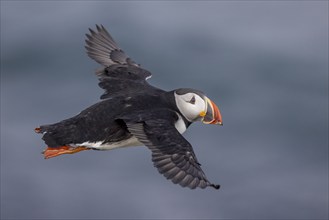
(133, 113)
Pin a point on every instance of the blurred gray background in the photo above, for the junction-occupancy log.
(265, 64)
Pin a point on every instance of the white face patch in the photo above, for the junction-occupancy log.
(190, 105)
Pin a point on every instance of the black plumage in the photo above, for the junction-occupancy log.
(130, 107)
(172, 154)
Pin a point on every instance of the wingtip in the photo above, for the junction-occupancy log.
(92, 32)
(88, 36)
(215, 186)
(98, 27)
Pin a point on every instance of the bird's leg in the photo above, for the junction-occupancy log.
(56, 151)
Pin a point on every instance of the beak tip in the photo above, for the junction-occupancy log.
(213, 110)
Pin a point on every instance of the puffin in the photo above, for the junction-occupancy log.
(131, 112)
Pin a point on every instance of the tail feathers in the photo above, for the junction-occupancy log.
(58, 134)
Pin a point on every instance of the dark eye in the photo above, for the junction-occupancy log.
(192, 101)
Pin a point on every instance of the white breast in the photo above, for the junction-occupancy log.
(180, 124)
(109, 146)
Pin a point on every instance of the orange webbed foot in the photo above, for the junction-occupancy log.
(57, 151)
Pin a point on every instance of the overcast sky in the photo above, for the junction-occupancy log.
(264, 63)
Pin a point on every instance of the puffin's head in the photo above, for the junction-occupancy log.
(195, 106)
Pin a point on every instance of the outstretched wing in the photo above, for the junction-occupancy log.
(119, 72)
(127, 78)
(172, 154)
(102, 48)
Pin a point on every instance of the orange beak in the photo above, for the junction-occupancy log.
(212, 115)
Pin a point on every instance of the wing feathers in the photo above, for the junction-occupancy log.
(172, 155)
(120, 73)
(179, 176)
(102, 48)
